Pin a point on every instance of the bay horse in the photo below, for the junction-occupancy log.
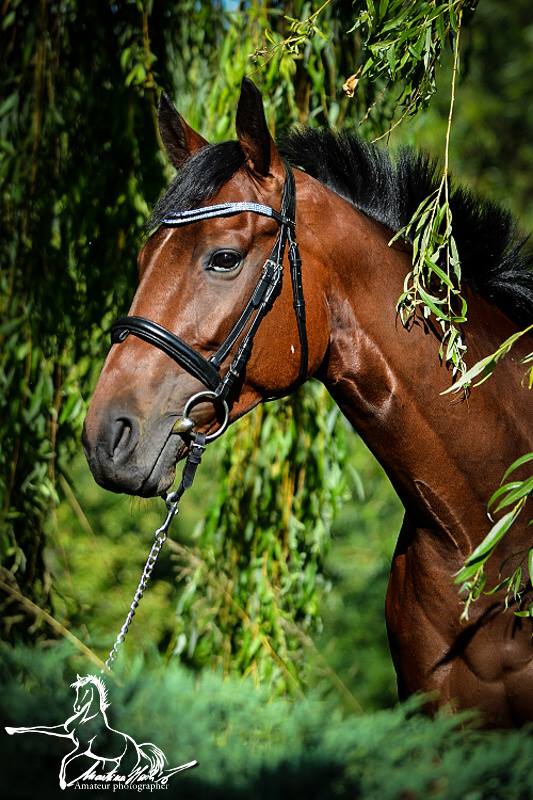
(443, 457)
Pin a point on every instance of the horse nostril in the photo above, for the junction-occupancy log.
(122, 439)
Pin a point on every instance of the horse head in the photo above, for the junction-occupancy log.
(195, 282)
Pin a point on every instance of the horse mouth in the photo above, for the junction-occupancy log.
(163, 472)
(149, 468)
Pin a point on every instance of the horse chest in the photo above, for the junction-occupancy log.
(486, 662)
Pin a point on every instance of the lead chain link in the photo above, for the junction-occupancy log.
(160, 537)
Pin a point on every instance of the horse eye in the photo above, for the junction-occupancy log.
(224, 260)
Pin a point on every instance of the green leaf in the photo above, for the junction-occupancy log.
(501, 585)
(9, 103)
(527, 613)
(524, 489)
(480, 369)
(431, 303)
(383, 5)
(496, 533)
(442, 275)
(8, 20)
(466, 573)
(515, 583)
(501, 491)
(518, 463)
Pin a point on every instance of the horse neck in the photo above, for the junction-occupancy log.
(443, 456)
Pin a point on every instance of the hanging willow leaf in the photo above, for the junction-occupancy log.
(485, 548)
(520, 492)
(528, 613)
(264, 540)
(486, 366)
(525, 459)
(501, 491)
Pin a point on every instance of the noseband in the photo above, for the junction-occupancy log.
(207, 371)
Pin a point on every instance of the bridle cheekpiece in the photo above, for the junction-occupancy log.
(207, 370)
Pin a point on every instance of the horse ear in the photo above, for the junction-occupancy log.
(262, 157)
(180, 140)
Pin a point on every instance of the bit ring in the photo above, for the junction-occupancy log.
(207, 396)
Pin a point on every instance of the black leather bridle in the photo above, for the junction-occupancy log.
(207, 371)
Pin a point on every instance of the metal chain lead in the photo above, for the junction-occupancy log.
(159, 540)
(172, 500)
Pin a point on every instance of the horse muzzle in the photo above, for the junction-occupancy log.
(125, 458)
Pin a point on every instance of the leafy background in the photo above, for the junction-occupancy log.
(274, 585)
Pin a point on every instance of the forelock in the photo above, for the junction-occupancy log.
(200, 179)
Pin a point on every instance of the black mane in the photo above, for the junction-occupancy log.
(494, 261)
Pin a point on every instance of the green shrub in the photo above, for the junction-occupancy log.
(251, 747)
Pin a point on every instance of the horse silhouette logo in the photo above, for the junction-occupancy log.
(115, 757)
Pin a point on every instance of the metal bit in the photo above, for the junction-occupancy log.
(183, 425)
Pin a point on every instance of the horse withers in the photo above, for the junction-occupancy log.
(443, 458)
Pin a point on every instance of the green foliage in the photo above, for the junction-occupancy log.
(492, 146)
(429, 287)
(256, 571)
(353, 645)
(73, 230)
(483, 369)
(433, 285)
(393, 49)
(303, 48)
(250, 746)
(97, 543)
(402, 45)
(471, 577)
(77, 161)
